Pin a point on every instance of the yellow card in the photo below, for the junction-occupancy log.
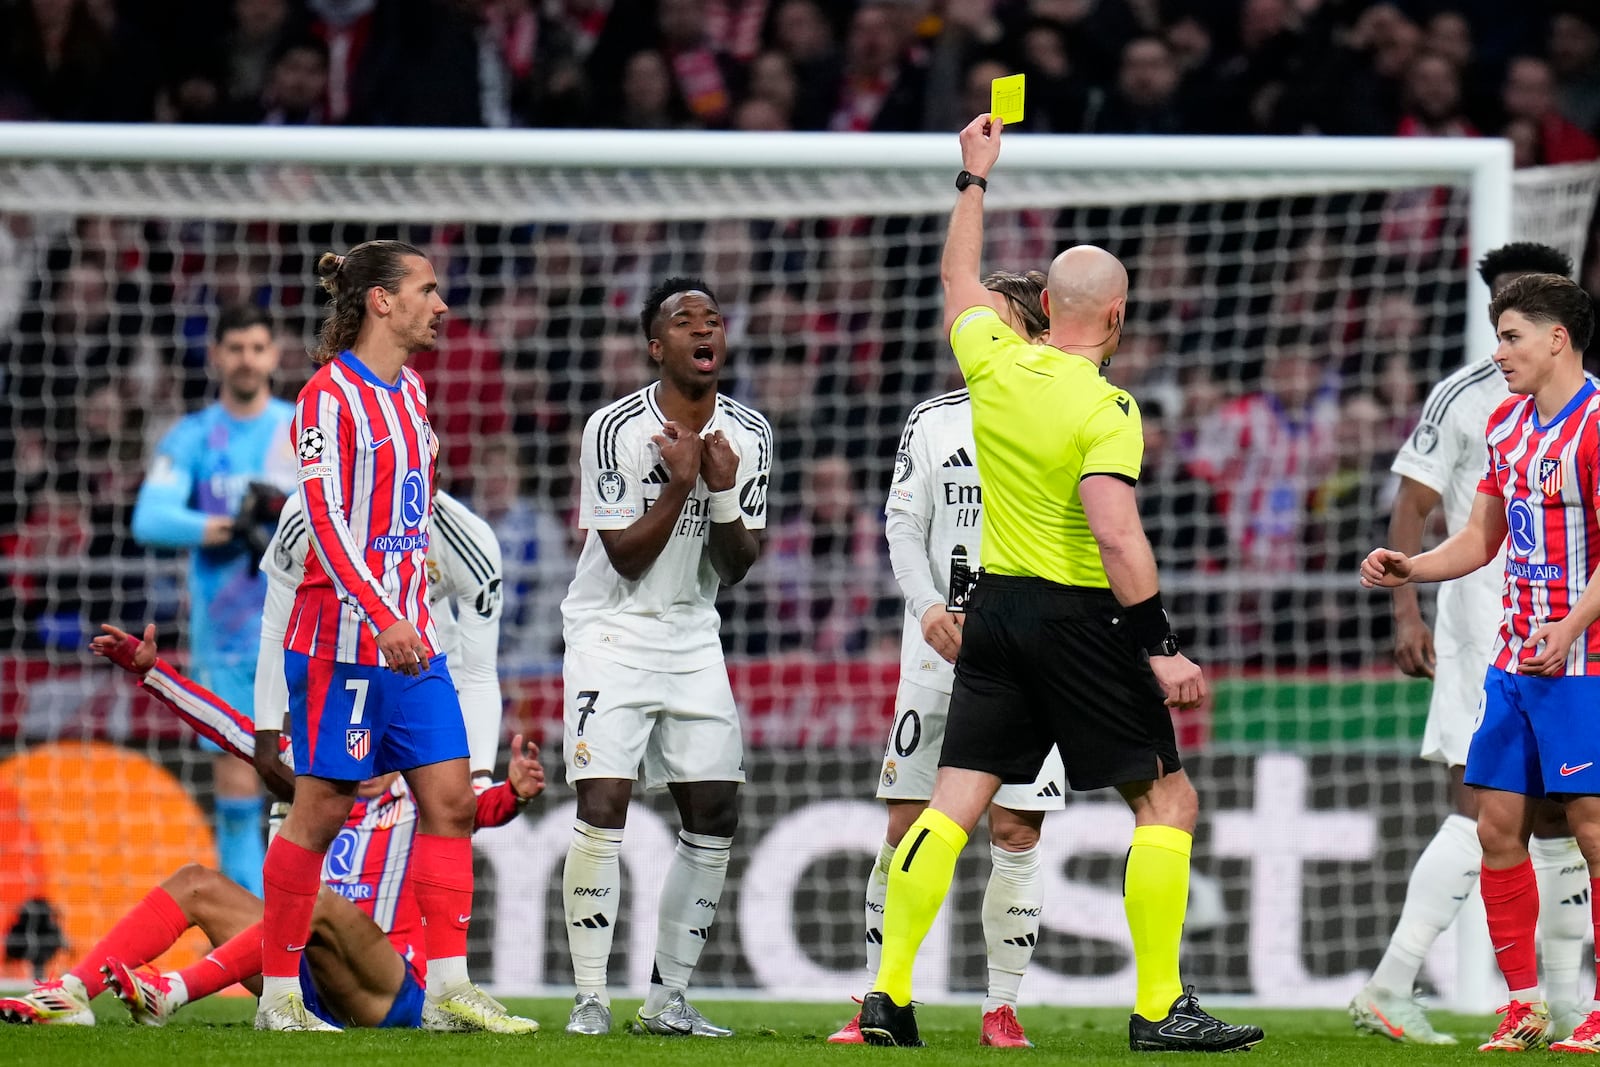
(1005, 98)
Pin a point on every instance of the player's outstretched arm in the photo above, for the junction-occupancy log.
(1473, 546)
(1413, 641)
(503, 801)
(961, 265)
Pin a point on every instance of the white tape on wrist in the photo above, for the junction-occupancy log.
(725, 505)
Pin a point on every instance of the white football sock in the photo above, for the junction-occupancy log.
(591, 884)
(877, 893)
(688, 908)
(177, 989)
(446, 975)
(276, 990)
(1012, 902)
(1443, 878)
(1564, 919)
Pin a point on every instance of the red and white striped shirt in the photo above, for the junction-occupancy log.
(365, 451)
(1547, 475)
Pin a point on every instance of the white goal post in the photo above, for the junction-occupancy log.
(1350, 259)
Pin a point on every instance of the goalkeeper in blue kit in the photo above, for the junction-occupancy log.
(205, 480)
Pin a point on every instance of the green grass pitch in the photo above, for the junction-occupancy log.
(218, 1032)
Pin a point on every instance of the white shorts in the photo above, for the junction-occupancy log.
(911, 758)
(618, 720)
(1457, 695)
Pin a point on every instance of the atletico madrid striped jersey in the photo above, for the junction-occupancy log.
(365, 453)
(1547, 476)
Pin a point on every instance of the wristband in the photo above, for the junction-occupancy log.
(724, 505)
(1145, 623)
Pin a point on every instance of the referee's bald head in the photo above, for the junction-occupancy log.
(1088, 289)
(1084, 281)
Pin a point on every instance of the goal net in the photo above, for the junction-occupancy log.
(1291, 304)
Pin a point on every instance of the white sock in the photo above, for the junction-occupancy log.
(1012, 902)
(1564, 919)
(276, 990)
(446, 975)
(1440, 883)
(591, 884)
(688, 908)
(877, 893)
(177, 990)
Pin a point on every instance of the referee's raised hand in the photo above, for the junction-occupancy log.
(980, 144)
(1181, 680)
(402, 649)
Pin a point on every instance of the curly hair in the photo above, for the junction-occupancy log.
(1523, 257)
(1023, 291)
(347, 279)
(658, 296)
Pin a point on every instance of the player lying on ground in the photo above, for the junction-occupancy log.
(364, 963)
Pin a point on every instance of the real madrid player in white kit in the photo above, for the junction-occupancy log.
(1442, 462)
(674, 482)
(464, 595)
(935, 521)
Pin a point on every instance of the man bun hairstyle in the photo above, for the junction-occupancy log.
(1523, 257)
(347, 279)
(658, 296)
(1023, 291)
(1547, 299)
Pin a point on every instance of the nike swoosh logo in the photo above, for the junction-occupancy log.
(1394, 1031)
(1569, 771)
(294, 948)
(379, 444)
(1502, 948)
(463, 919)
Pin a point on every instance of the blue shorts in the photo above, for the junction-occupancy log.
(232, 680)
(404, 1013)
(1537, 736)
(350, 721)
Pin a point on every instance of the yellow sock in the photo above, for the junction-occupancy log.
(1155, 894)
(919, 879)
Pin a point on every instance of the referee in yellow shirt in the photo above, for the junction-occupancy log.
(1065, 640)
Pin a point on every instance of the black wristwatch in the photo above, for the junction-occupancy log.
(966, 178)
(1167, 646)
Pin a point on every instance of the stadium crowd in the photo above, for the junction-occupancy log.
(1268, 450)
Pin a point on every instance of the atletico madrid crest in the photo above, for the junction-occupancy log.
(358, 743)
(1550, 476)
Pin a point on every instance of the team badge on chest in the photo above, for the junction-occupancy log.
(1550, 476)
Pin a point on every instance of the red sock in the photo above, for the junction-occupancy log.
(232, 961)
(291, 877)
(441, 876)
(1511, 897)
(1594, 914)
(153, 926)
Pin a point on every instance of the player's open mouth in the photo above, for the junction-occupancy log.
(705, 359)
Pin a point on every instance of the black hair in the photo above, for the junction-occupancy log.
(1549, 298)
(239, 317)
(1523, 257)
(347, 279)
(658, 296)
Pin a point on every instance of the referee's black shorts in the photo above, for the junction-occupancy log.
(1040, 665)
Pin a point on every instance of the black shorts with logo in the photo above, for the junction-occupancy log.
(1040, 665)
